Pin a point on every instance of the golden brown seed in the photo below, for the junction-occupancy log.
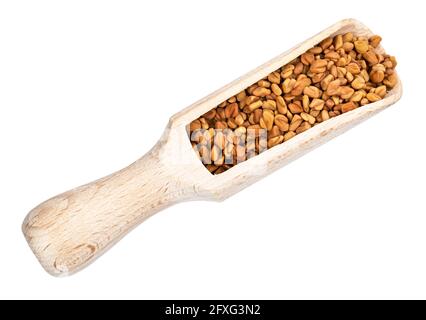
(288, 85)
(315, 50)
(375, 41)
(298, 69)
(305, 103)
(255, 105)
(361, 46)
(326, 43)
(390, 81)
(307, 58)
(276, 89)
(324, 115)
(287, 71)
(371, 57)
(267, 120)
(326, 81)
(281, 105)
(348, 37)
(275, 131)
(346, 92)
(281, 122)
(357, 96)
(381, 91)
(373, 97)
(289, 135)
(318, 66)
(231, 110)
(358, 83)
(275, 141)
(307, 117)
(295, 108)
(303, 127)
(295, 122)
(317, 104)
(312, 92)
(338, 42)
(333, 87)
(345, 107)
(257, 114)
(241, 96)
(269, 104)
(195, 125)
(274, 77)
(261, 92)
(348, 46)
(377, 76)
(264, 84)
(300, 85)
(353, 68)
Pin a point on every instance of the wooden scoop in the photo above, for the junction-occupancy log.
(71, 230)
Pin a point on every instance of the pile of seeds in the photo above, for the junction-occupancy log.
(338, 75)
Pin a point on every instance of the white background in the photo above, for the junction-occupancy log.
(86, 87)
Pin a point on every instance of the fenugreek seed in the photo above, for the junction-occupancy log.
(375, 41)
(318, 66)
(390, 81)
(326, 43)
(346, 92)
(345, 107)
(241, 96)
(264, 84)
(267, 120)
(281, 122)
(276, 89)
(333, 87)
(298, 69)
(381, 91)
(275, 141)
(348, 37)
(358, 83)
(307, 117)
(195, 125)
(305, 103)
(281, 105)
(303, 127)
(353, 68)
(317, 104)
(326, 81)
(257, 114)
(274, 77)
(357, 96)
(364, 75)
(295, 123)
(255, 105)
(338, 42)
(288, 85)
(269, 104)
(300, 85)
(307, 58)
(361, 46)
(287, 71)
(274, 132)
(373, 97)
(377, 76)
(324, 115)
(315, 50)
(312, 92)
(370, 57)
(289, 135)
(261, 92)
(295, 108)
(231, 110)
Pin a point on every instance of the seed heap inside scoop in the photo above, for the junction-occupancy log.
(338, 75)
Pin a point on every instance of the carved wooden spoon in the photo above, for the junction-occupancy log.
(71, 230)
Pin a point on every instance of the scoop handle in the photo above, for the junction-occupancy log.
(69, 231)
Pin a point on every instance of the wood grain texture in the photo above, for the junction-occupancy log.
(69, 231)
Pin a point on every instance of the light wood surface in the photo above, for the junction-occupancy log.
(71, 230)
